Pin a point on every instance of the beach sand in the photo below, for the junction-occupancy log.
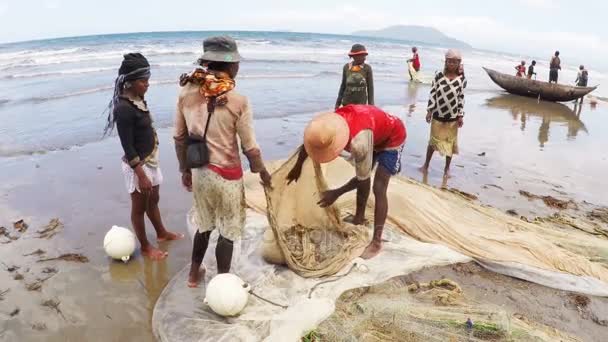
(508, 144)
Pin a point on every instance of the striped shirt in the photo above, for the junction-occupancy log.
(446, 102)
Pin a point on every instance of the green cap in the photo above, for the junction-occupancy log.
(220, 49)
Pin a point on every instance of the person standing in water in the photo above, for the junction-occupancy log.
(209, 107)
(582, 79)
(372, 136)
(129, 111)
(415, 60)
(445, 111)
(357, 85)
(521, 69)
(531, 71)
(554, 66)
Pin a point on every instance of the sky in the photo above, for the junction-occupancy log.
(527, 27)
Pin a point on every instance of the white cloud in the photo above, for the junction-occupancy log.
(541, 4)
(3, 8)
(51, 4)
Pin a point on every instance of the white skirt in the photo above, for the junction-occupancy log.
(131, 180)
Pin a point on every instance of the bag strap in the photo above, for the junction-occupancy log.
(210, 109)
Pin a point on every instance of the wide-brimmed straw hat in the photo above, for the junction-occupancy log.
(325, 137)
(220, 49)
(357, 49)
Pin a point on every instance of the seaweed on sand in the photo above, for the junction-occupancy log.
(73, 257)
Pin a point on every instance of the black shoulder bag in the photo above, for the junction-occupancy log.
(197, 152)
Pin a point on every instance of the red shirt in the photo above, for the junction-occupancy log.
(388, 130)
(416, 61)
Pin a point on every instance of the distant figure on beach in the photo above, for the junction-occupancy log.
(521, 69)
(445, 111)
(582, 77)
(415, 64)
(554, 66)
(209, 110)
(357, 85)
(128, 110)
(372, 136)
(531, 71)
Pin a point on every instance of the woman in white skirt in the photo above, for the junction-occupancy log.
(129, 112)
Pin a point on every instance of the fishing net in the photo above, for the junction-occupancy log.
(436, 311)
(312, 241)
(426, 227)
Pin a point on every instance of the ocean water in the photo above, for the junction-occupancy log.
(53, 92)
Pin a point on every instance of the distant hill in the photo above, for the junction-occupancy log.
(421, 34)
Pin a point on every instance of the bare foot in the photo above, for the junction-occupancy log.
(355, 220)
(195, 276)
(153, 253)
(424, 169)
(447, 174)
(371, 250)
(168, 236)
(444, 182)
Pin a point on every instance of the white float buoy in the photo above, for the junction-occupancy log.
(119, 243)
(227, 294)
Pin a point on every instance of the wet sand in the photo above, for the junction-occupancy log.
(545, 149)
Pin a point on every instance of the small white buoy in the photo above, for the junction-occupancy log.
(119, 243)
(227, 294)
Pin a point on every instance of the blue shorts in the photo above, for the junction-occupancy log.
(390, 160)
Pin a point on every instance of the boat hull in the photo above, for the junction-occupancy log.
(538, 89)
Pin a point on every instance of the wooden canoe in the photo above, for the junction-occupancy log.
(533, 88)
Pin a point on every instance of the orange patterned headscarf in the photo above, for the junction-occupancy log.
(212, 84)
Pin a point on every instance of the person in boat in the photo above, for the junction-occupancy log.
(445, 111)
(415, 60)
(372, 136)
(521, 69)
(357, 85)
(531, 71)
(129, 112)
(554, 66)
(209, 107)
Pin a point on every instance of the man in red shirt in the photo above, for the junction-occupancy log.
(415, 60)
(415, 64)
(372, 136)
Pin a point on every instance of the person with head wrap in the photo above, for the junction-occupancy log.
(357, 85)
(208, 106)
(445, 111)
(129, 112)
